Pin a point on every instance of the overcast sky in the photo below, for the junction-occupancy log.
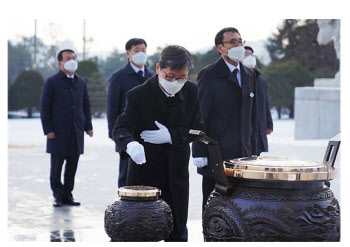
(110, 33)
(192, 24)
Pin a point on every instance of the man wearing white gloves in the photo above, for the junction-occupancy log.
(154, 132)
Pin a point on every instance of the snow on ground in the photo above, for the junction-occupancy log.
(31, 216)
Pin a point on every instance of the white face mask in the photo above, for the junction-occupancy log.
(71, 65)
(249, 61)
(236, 53)
(139, 58)
(171, 87)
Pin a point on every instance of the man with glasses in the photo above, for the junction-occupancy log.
(227, 95)
(154, 132)
(134, 73)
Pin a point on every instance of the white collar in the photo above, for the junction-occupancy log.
(137, 69)
(70, 76)
(232, 67)
(168, 95)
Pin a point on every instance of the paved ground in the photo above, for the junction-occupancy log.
(31, 216)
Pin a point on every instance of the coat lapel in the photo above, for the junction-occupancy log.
(224, 72)
(244, 90)
(248, 78)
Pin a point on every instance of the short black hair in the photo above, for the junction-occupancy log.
(176, 58)
(220, 35)
(134, 41)
(60, 57)
(249, 48)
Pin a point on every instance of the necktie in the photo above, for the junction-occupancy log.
(140, 75)
(234, 72)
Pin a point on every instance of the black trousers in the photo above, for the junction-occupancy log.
(123, 171)
(63, 190)
(208, 185)
(168, 171)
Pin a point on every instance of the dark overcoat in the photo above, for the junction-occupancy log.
(65, 110)
(264, 113)
(229, 112)
(120, 83)
(166, 165)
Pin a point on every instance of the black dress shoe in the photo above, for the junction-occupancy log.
(71, 202)
(57, 202)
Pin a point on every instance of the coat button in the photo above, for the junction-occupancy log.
(184, 138)
(73, 106)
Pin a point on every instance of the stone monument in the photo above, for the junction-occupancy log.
(317, 108)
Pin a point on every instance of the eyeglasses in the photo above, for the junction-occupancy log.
(171, 78)
(235, 42)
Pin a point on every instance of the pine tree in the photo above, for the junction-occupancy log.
(95, 83)
(25, 91)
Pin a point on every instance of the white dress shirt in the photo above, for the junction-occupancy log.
(137, 69)
(232, 68)
(70, 76)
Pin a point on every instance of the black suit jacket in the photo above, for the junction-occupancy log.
(229, 112)
(147, 103)
(65, 110)
(120, 83)
(166, 165)
(264, 114)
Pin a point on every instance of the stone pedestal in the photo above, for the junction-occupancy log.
(317, 110)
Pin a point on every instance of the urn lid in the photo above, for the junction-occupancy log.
(139, 191)
(278, 168)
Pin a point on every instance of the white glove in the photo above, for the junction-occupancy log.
(200, 161)
(136, 152)
(157, 136)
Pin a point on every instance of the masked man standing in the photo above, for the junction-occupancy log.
(227, 95)
(134, 73)
(65, 115)
(154, 132)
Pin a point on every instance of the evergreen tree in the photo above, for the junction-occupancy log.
(95, 83)
(19, 59)
(25, 92)
(295, 44)
(203, 60)
(112, 63)
(297, 39)
(282, 78)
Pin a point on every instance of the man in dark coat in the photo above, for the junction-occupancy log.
(227, 95)
(65, 115)
(265, 124)
(154, 132)
(134, 73)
